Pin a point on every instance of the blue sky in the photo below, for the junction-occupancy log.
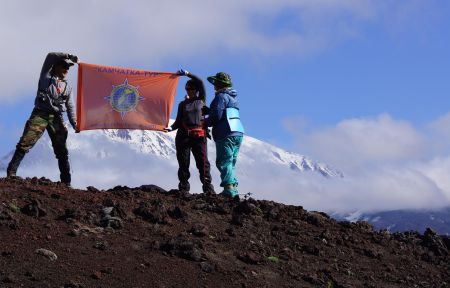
(303, 69)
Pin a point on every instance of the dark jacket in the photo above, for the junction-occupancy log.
(225, 98)
(189, 113)
(54, 95)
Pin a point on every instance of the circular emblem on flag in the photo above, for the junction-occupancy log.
(124, 98)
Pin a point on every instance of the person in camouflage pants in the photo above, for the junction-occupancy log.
(53, 98)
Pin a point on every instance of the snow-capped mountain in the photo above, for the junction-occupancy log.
(163, 145)
(404, 220)
(105, 158)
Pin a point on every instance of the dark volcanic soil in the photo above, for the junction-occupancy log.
(51, 236)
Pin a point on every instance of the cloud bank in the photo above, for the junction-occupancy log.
(389, 164)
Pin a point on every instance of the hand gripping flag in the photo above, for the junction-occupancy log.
(119, 98)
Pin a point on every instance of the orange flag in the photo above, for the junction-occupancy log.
(120, 98)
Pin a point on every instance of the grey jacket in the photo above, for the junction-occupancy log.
(54, 95)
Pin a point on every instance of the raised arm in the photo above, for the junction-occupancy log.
(200, 85)
(51, 59)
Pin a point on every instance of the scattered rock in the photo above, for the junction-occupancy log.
(34, 209)
(152, 189)
(246, 207)
(96, 275)
(47, 253)
(199, 230)
(111, 216)
(206, 267)
(107, 221)
(177, 213)
(317, 218)
(250, 258)
(119, 188)
(92, 189)
(70, 214)
(183, 248)
(101, 245)
(155, 212)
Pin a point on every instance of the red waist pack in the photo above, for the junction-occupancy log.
(197, 132)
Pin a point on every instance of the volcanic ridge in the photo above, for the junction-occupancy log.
(55, 236)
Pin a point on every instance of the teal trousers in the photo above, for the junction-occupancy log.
(227, 151)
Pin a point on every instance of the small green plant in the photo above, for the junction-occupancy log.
(13, 207)
(273, 259)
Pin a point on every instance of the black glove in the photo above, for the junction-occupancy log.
(205, 110)
(182, 72)
(73, 58)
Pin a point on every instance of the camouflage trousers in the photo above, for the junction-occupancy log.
(34, 128)
(36, 125)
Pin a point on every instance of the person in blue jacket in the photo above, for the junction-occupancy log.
(227, 131)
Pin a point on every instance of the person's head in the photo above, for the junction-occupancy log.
(61, 69)
(220, 80)
(191, 88)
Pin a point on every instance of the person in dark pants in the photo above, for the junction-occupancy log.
(191, 135)
(52, 99)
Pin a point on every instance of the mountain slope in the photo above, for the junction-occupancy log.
(148, 237)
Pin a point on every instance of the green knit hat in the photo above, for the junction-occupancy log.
(221, 78)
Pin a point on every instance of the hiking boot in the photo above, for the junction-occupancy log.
(14, 163)
(10, 174)
(229, 191)
(64, 169)
(208, 189)
(184, 187)
(66, 185)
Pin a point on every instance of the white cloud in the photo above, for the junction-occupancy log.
(357, 142)
(437, 170)
(388, 164)
(149, 33)
(439, 135)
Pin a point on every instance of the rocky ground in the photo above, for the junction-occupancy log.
(52, 236)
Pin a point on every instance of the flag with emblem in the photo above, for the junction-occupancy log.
(121, 98)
